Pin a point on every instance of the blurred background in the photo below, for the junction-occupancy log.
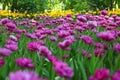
(37, 6)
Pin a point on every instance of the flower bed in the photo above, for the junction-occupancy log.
(85, 47)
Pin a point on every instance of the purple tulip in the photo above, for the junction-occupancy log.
(10, 25)
(14, 38)
(63, 34)
(65, 44)
(89, 56)
(24, 62)
(82, 18)
(12, 47)
(32, 36)
(84, 52)
(43, 36)
(104, 12)
(100, 74)
(9, 41)
(23, 23)
(18, 36)
(71, 38)
(98, 45)
(4, 21)
(5, 52)
(2, 62)
(107, 36)
(32, 46)
(24, 75)
(116, 76)
(92, 24)
(62, 69)
(44, 51)
(117, 47)
(66, 56)
(99, 52)
(53, 38)
(87, 39)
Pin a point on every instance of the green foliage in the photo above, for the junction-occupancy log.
(77, 5)
(103, 4)
(81, 6)
(42, 5)
(55, 4)
(5, 3)
(33, 6)
(91, 4)
(98, 4)
(69, 4)
(24, 6)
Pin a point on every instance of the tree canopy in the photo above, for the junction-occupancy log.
(33, 6)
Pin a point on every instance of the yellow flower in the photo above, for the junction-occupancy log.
(54, 13)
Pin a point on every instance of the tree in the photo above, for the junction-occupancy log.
(117, 3)
(5, 3)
